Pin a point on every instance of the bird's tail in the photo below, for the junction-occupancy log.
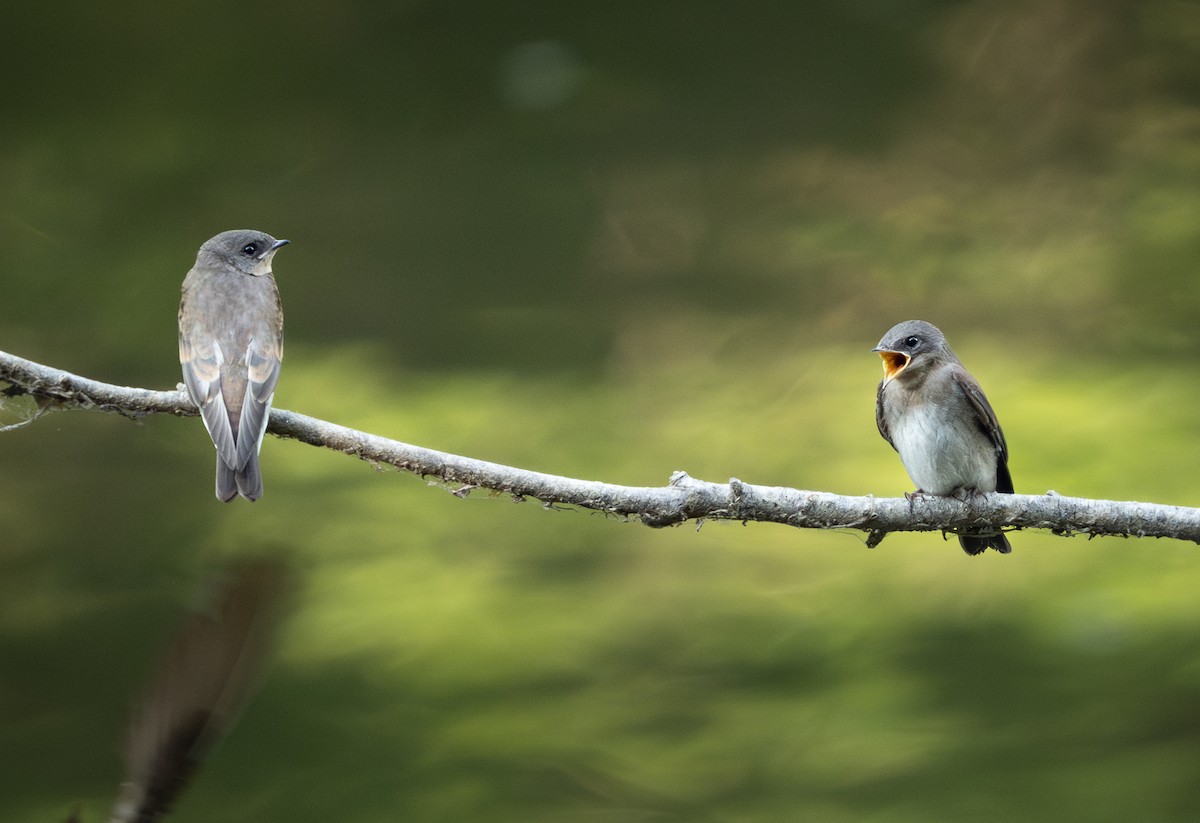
(974, 544)
(249, 479)
(226, 485)
(246, 481)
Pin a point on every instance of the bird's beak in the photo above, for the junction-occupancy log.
(264, 259)
(894, 362)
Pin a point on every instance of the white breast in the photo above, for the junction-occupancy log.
(942, 451)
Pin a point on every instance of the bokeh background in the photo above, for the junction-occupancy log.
(611, 240)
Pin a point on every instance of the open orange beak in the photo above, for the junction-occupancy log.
(894, 362)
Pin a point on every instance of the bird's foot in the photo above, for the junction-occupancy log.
(913, 497)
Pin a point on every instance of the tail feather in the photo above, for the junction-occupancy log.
(227, 488)
(246, 481)
(974, 544)
(249, 480)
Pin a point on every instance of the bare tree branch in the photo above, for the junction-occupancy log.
(685, 498)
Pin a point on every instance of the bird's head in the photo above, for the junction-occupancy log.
(909, 347)
(248, 251)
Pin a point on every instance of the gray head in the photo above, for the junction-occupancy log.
(246, 250)
(911, 346)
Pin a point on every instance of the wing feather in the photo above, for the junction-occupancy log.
(985, 417)
(263, 359)
(880, 419)
(201, 358)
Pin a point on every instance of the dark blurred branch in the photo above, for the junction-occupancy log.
(205, 678)
(683, 499)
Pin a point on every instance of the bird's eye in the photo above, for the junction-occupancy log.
(250, 249)
(911, 341)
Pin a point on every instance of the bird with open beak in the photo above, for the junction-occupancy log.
(935, 415)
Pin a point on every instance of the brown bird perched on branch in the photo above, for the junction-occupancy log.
(933, 412)
(231, 347)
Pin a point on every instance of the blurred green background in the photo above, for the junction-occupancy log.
(611, 240)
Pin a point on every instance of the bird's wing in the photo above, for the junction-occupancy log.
(985, 417)
(263, 359)
(201, 358)
(880, 420)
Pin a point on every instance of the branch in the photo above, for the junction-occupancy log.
(685, 498)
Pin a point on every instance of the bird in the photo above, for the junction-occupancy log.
(936, 416)
(231, 348)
